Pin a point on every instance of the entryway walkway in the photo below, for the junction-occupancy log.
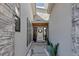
(38, 48)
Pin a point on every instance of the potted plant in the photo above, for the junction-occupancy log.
(52, 49)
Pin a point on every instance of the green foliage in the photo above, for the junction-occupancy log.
(48, 43)
(54, 48)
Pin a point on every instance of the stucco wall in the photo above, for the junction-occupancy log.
(60, 25)
(21, 37)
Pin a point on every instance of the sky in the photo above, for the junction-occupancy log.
(40, 4)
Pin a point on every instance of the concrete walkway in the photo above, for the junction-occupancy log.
(38, 49)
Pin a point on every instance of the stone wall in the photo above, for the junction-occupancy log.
(7, 29)
(75, 28)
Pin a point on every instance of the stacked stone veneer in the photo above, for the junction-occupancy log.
(75, 28)
(7, 29)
